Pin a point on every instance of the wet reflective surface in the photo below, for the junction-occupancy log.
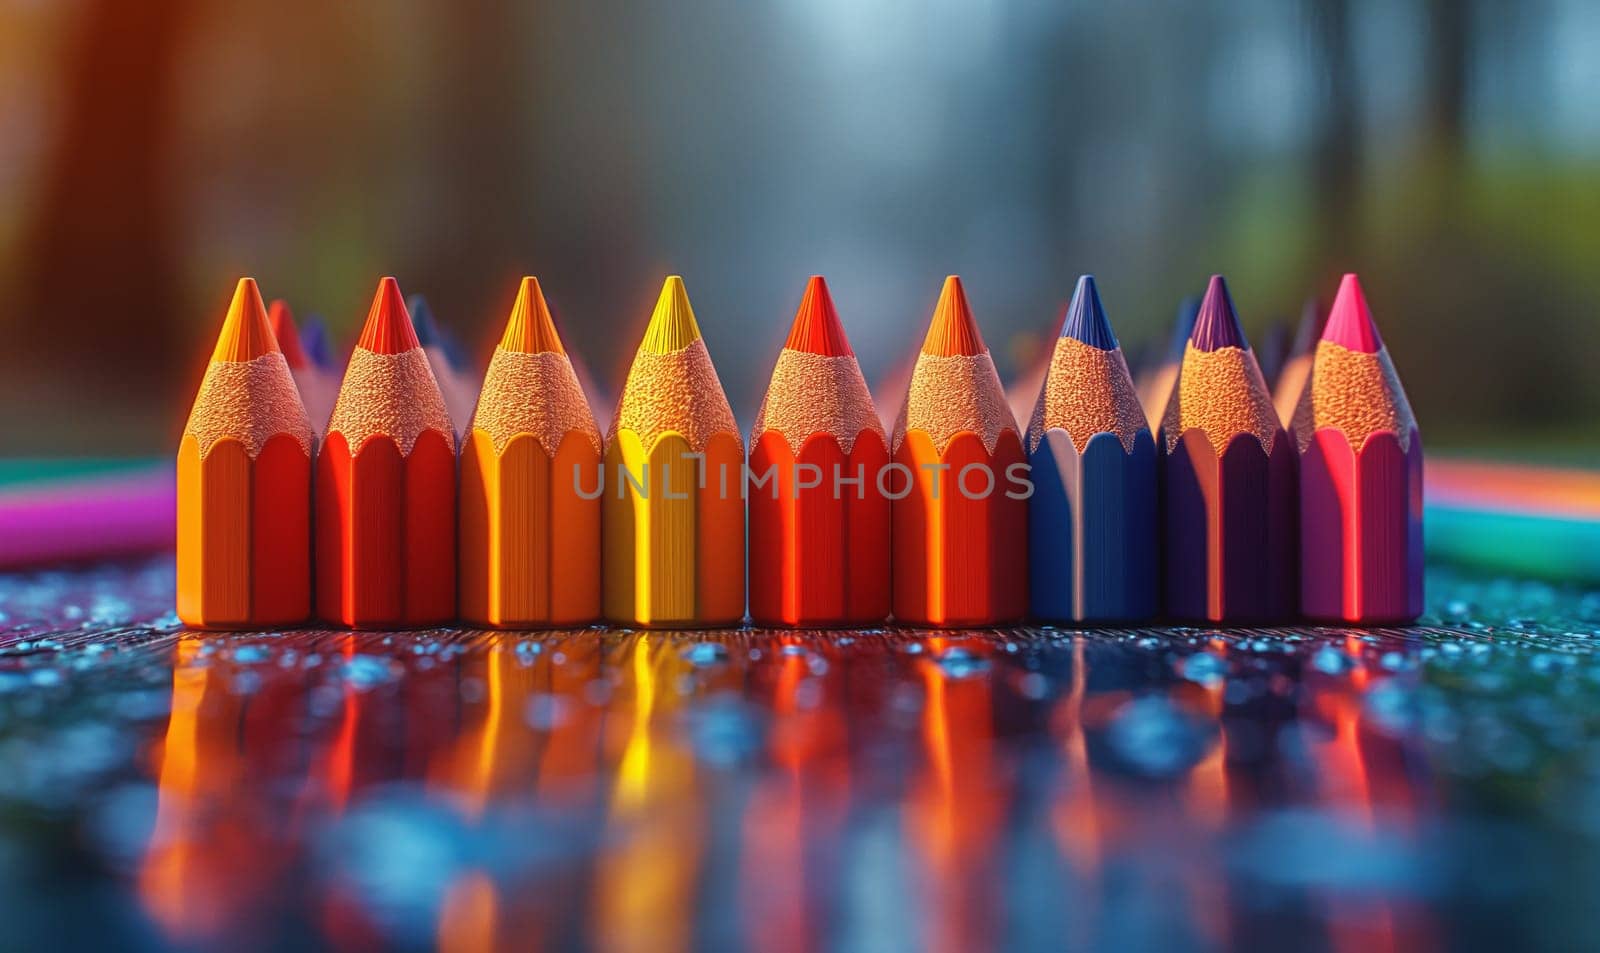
(1429, 788)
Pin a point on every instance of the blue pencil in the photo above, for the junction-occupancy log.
(1092, 517)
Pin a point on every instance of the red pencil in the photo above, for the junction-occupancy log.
(1360, 476)
(386, 484)
(819, 520)
(318, 388)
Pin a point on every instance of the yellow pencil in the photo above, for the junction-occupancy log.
(673, 517)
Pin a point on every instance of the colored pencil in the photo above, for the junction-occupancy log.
(244, 483)
(455, 380)
(1514, 518)
(1360, 476)
(1024, 390)
(317, 385)
(674, 515)
(819, 519)
(959, 511)
(530, 541)
(317, 343)
(1155, 381)
(1092, 517)
(386, 484)
(1228, 481)
(1296, 370)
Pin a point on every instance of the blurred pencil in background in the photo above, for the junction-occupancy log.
(960, 534)
(1360, 476)
(244, 483)
(454, 377)
(317, 385)
(529, 540)
(317, 343)
(386, 484)
(1291, 382)
(1155, 380)
(819, 519)
(674, 515)
(1229, 481)
(1092, 517)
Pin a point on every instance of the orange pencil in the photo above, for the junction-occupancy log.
(673, 520)
(960, 528)
(386, 484)
(819, 519)
(530, 541)
(318, 389)
(244, 483)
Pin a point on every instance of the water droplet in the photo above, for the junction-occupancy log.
(958, 663)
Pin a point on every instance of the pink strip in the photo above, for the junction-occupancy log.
(88, 519)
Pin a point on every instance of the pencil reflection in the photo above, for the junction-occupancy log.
(777, 791)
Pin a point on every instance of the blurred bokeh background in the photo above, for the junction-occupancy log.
(152, 152)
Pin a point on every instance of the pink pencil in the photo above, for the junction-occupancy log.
(88, 518)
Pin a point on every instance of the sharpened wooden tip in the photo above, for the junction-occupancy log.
(816, 328)
(246, 332)
(282, 321)
(1217, 325)
(953, 330)
(388, 329)
(672, 325)
(1086, 317)
(530, 329)
(1350, 322)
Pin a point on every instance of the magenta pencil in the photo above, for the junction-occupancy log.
(1360, 477)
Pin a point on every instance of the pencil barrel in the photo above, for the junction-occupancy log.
(1361, 528)
(1092, 530)
(958, 554)
(673, 529)
(386, 532)
(529, 540)
(1229, 542)
(244, 534)
(819, 544)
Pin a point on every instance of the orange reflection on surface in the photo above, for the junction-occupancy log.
(955, 808)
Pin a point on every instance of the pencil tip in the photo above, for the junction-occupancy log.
(953, 329)
(283, 330)
(1086, 317)
(388, 329)
(246, 333)
(1350, 320)
(672, 324)
(1217, 324)
(816, 328)
(530, 329)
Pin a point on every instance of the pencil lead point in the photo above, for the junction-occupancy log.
(953, 329)
(1217, 324)
(816, 328)
(1350, 320)
(672, 325)
(246, 333)
(282, 321)
(388, 329)
(1086, 317)
(530, 329)
(315, 342)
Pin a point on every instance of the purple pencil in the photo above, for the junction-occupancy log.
(1229, 481)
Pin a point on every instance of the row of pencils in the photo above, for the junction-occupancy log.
(1202, 502)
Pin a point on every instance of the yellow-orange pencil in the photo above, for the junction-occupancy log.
(244, 483)
(530, 540)
(674, 494)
